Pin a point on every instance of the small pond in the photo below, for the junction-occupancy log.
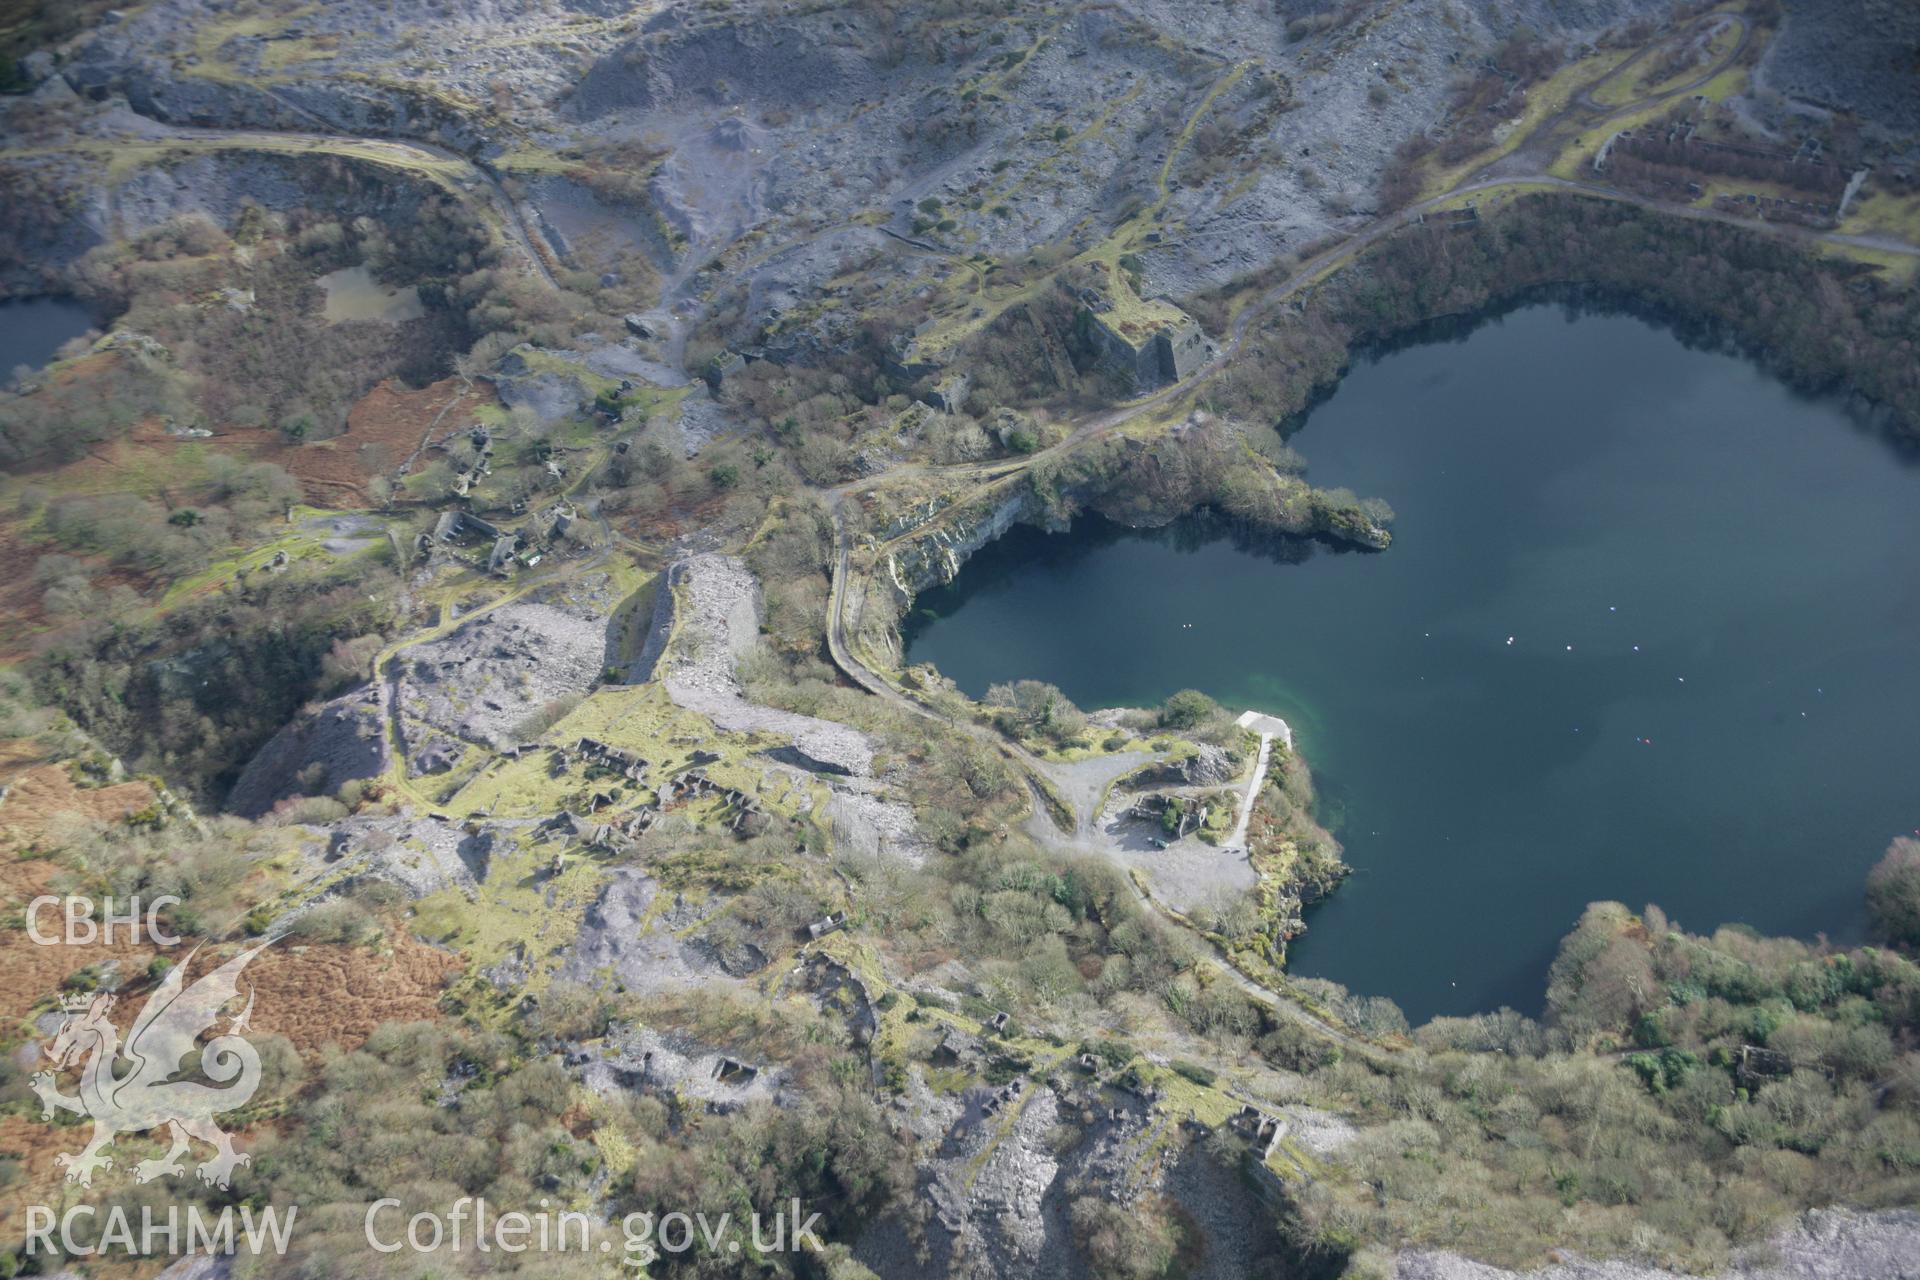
(353, 294)
(33, 329)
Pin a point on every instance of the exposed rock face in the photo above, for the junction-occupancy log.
(936, 558)
(420, 855)
(435, 753)
(1824, 1244)
(776, 61)
(999, 1220)
(489, 674)
(756, 110)
(709, 607)
(549, 392)
(705, 616)
(1143, 484)
(1001, 1195)
(622, 361)
(702, 421)
(1853, 57)
(131, 59)
(1209, 766)
(949, 395)
(879, 828)
(677, 1068)
(763, 147)
(216, 186)
(628, 935)
(346, 738)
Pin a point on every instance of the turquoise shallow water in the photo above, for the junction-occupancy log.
(1647, 632)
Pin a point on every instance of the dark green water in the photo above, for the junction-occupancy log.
(32, 329)
(1709, 700)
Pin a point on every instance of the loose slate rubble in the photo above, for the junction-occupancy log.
(492, 672)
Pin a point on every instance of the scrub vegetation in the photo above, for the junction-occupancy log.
(1822, 326)
(1681, 1092)
(641, 876)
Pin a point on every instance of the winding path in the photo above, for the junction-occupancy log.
(1522, 167)
(1517, 169)
(1269, 728)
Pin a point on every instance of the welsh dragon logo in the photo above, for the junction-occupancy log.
(143, 1094)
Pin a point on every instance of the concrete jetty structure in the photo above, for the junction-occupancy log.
(1269, 728)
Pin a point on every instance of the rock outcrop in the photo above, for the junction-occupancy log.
(1003, 1165)
(325, 747)
(705, 618)
(484, 678)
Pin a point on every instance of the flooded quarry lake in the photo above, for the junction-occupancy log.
(33, 329)
(1646, 632)
(353, 294)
